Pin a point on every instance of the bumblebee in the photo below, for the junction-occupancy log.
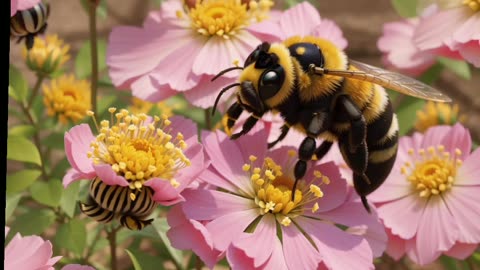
(107, 202)
(325, 95)
(29, 22)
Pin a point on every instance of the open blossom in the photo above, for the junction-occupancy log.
(401, 52)
(456, 24)
(135, 151)
(248, 213)
(300, 20)
(429, 203)
(180, 49)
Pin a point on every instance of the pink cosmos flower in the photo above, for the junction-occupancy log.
(180, 48)
(28, 253)
(456, 25)
(429, 202)
(302, 19)
(21, 5)
(248, 207)
(137, 151)
(400, 51)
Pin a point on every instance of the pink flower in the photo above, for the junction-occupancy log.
(248, 207)
(21, 5)
(456, 26)
(402, 53)
(180, 49)
(137, 151)
(28, 253)
(303, 20)
(429, 202)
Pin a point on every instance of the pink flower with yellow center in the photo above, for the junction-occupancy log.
(180, 48)
(429, 202)
(248, 214)
(456, 24)
(136, 151)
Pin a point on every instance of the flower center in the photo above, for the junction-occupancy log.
(273, 191)
(434, 171)
(139, 149)
(223, 18)
(473, 4)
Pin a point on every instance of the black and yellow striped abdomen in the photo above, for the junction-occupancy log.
(107, 202)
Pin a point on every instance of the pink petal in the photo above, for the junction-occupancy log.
(227, 228)
(77, 144)
(395, 246)
(299, 20)
(202, 204)
(203, 94)
(29, 252)
(226, 52)
(468, 173)
(437, 231)
(255, 143)
(470, 51)
(237, 259)
(267, 30)
(26, 4)
(77, 267)
(458, 137)
(334, 245)
(396, 186)
(186, 126)
(148, 89)
(403, 215)
(277, 260)
(199, 163)
(188, 234)
(469, 29)
(164, 192)
(461, 251)
(212, 177)
(227, 159)
(13, 7)
(73, 175)
(436, 30)
(329, 30)
(7, 229)
(299, 252)
(463, 205)
(109, 176)
(258, 245)
(435, 136)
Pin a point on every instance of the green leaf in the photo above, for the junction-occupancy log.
(48, 193)
(459, 67)
(21, 180)
(54, 141)
(12, 202)
(68, 202)
(83, 66)
(405, 8)
(161, 226)
(21, 130)
(18, 88)
(72, 236)
(406, 112)
(34, 221)
(432, 74)
(20, 148)
(135, 263)
(60, 169)
(106, 102)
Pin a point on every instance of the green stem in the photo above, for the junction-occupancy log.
(208, 119)
(112, 240)
(94, 54)
(471, 263)
(36, 88)
(198, 263)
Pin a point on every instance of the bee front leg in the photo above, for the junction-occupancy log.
(247, 126)
(233, 112)
(285, 128)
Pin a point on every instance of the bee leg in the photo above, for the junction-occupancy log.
(285, 128)
(134, 223)
(247, 126)
(358, 125)
(95, 211)
(323, 149)
(233, 112)
(29, 41)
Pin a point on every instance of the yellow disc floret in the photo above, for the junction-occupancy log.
(139, 149)
(435, 113)
(273, 191)
(67, 98)
(434, 171)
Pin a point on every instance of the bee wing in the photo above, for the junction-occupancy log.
(397, 82)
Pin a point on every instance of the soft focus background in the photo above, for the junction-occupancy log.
(361, 21)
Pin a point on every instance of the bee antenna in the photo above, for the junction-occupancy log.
(224, 71)
(221, 93)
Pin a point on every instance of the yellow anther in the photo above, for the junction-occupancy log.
(246, 167)
(252, 158)
(132, 196)
(286, 221)
(315, 207)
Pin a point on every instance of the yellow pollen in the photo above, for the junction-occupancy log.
(286, 221)
(138, 149)
(252, 158)
(246, 167)
(472, 4)
(433, 171)
(132, 196)
(315, 208)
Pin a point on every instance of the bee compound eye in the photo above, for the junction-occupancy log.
(270, 82)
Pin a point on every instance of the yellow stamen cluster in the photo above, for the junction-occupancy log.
(67, 98)
(47, 55)
(273, 191)
(434, 114)
(224, 18)
(472, 4)
(139, 149)
(433, 171)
